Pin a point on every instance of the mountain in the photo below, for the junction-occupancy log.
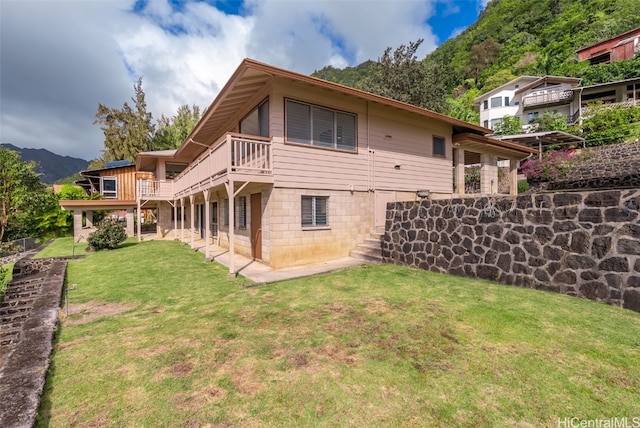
(521, 37)
(53, 167)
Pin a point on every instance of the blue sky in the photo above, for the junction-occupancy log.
(60, 58)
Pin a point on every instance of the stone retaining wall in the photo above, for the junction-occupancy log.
(584, 244)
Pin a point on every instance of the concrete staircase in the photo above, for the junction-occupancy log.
(370, 250)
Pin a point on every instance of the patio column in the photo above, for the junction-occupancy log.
(77, 226)
(139, 212)
(182, 220)
(192, 219)
(175, 219)
(131, 231)
(488, 173)
(207, 215)
(89, 219)
(230, 193)
(513, 176)
(459, 155)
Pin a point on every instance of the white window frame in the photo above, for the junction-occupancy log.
(316, 220)
(109, 194)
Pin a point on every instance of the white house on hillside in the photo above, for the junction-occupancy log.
(500, 102)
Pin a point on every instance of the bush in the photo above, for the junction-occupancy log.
(553, 166)
(109, 235)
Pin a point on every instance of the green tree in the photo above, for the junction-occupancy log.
(482, 56)
(399, 75)
(550, 122)
(23, 198)
(172, 131)
(127, 131)
(509, 125)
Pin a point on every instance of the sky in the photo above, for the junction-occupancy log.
(59, 59)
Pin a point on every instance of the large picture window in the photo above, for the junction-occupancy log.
(315, 211)
(320, 127)
(109, 187)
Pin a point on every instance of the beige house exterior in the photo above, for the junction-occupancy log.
(292, 170)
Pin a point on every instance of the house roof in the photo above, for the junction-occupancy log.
(109, 166)
(252, 76)
(146, 161)
(477, 100)
(542, 139)
(504, 148)
(553, 79)
(622, 35)
(614, 83)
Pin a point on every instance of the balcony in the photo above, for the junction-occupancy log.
(559, 97)
(239, 157)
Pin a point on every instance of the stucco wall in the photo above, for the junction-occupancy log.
(584, 244)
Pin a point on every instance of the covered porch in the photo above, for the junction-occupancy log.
(486, 153)
(86, 208)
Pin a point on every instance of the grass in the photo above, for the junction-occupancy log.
(369, 346)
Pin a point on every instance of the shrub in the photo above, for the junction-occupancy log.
(109, 235)
(554, 165)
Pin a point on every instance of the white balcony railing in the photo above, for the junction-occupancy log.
(155, 189)
(233, 153)
(550, 98)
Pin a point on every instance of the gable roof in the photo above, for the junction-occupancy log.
(477, 100)
(252, 76)
(553, 79)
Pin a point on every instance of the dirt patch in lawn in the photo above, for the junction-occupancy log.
(83, 313)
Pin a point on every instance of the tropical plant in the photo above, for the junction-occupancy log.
(553, 165)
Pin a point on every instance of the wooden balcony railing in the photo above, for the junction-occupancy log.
(232, 154)
(550, 98)
(155, 189)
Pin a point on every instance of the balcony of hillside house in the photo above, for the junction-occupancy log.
(558, 97)
(234, 156)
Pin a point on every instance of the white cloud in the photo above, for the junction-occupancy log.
(61, 58)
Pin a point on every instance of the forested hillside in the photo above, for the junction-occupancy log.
(520, 37)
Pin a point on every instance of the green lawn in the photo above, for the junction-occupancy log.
(368, 346)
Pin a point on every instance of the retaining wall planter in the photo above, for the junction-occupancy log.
(584, 244)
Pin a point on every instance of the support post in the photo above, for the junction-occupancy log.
(513, 177)
(182, 220)
(192, 219)
(77, 226)
(459, 171)
(139, 225)
(230, 192)
(175, 219)
(131, 227)
(488, 173)
(207, 215)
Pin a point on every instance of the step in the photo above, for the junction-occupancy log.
(366, 256)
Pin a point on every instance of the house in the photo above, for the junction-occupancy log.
(290, 170)
(529, 98)
(500, 102)
(621, 47)
(620, 92)
(115, 185)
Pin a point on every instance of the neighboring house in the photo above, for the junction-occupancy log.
(290, 170)
(116, 186)
(625, 92)
(553, 94)
(501, 102)
(621, 47)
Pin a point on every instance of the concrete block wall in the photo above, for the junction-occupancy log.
(584, 244)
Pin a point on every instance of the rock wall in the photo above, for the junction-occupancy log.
(584, 244)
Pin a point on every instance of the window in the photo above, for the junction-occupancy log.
(486, 124)
(496, 102)
(109, 187)
(485, 104)
(439, 146)
(239, 214)
(516, 103)
(180, 216)
(506, 101)
(257, 122)
(240, 209)
(321, 127)
(495, 122)
(315, 211)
